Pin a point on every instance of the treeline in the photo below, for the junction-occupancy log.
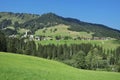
(84, 56)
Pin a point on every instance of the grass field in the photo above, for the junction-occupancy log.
(61, 30)
(21, 67)
(22, 31)
(106, 44)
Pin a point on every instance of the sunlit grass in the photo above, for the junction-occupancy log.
(61, 30)
(21, 67)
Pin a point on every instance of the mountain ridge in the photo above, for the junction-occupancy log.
(33, 22)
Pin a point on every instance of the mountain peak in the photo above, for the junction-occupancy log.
(49, 14)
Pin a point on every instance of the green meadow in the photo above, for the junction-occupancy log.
(22, 67)
(61, 30)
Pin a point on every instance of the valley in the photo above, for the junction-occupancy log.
(50, 47)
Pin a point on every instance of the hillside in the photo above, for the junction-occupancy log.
(19, 23)
(21, 67)
(62, 30)
(19, 17)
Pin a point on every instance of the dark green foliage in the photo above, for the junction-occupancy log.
(67, 37)
(9, 31)
(3, 43)
(15, 45)
(16, 24)
(118, 66)
(55, 30)
(0, 16)
(117, 55)
(58, 37)
(40, 50)
(5, 23)
(92, 59)
(30, 48)
(11, 45)
(79, 60)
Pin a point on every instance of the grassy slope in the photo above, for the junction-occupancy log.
(20, 67)
(62, 30)
(22, 30)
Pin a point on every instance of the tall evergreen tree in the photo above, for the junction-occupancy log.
(92, 59)
(79, 60)
(30, 48)
(3, 42)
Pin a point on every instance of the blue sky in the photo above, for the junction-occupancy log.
(105, 12)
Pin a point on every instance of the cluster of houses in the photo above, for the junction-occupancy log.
(26, 36)
(31, 37)
(39, 38)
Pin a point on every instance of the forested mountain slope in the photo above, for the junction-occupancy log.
(13, 23)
